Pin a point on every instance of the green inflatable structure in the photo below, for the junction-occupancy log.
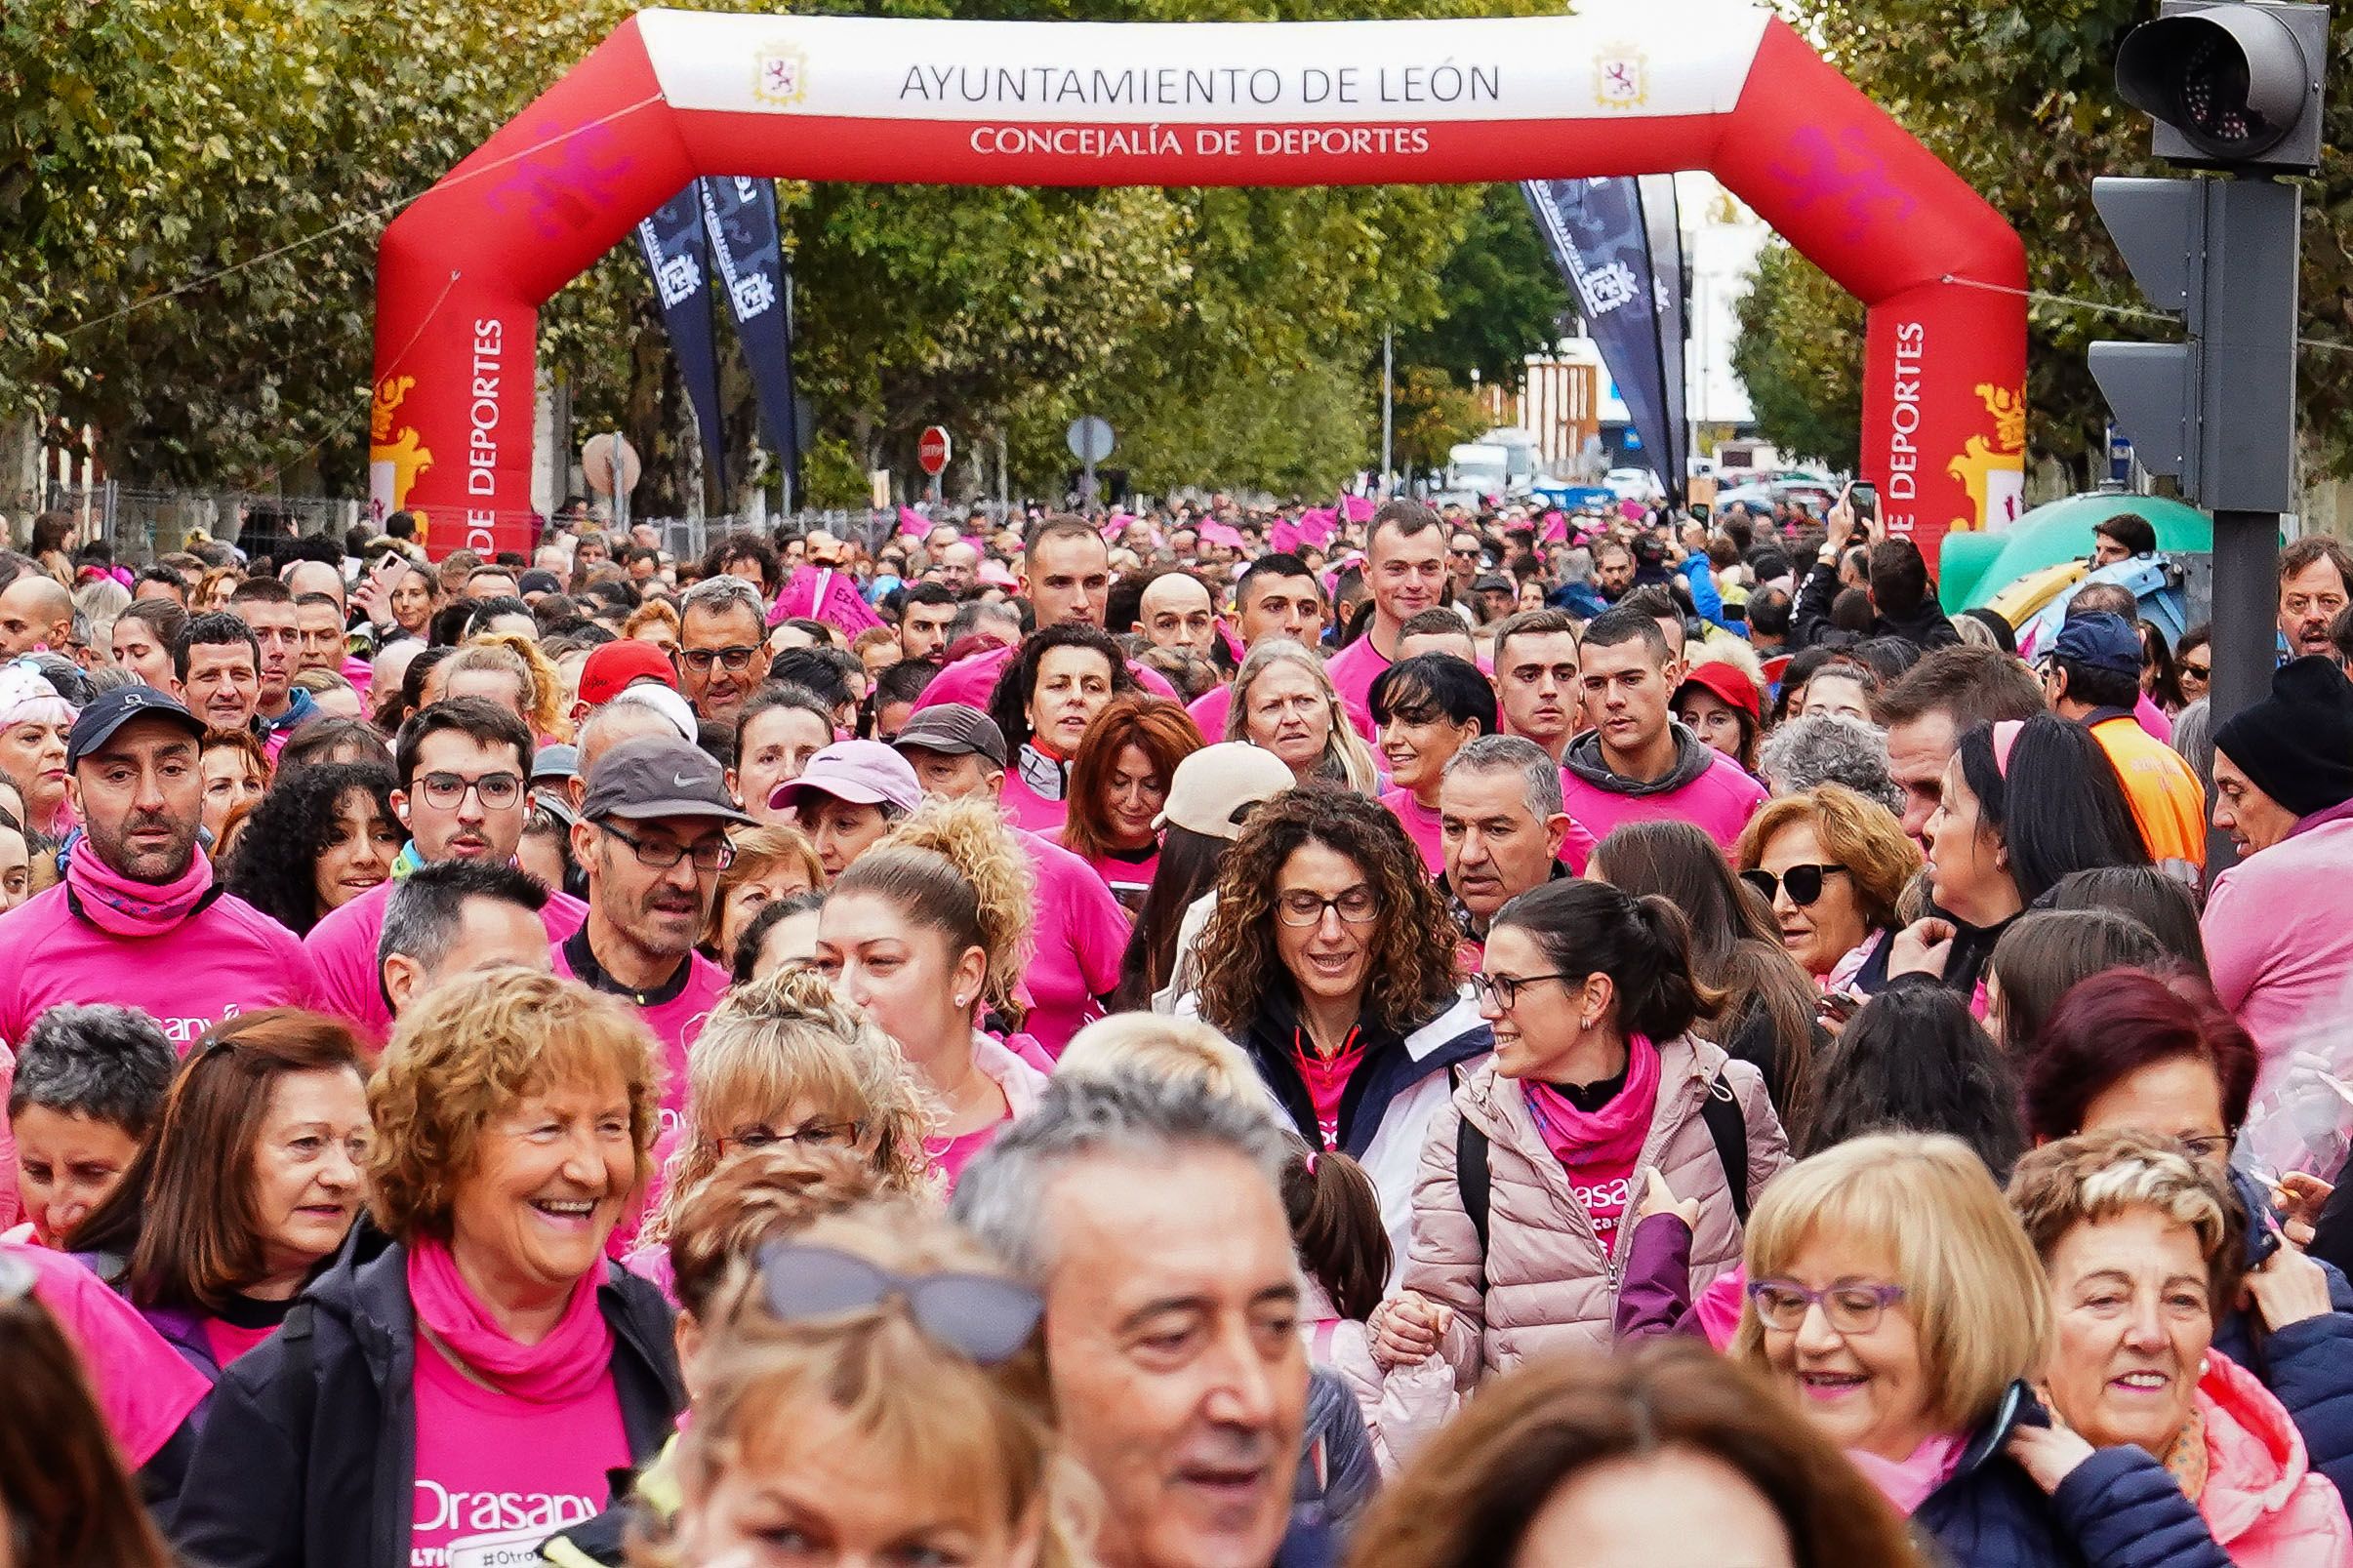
(1976, 567)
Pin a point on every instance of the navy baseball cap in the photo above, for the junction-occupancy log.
(111, 711)
(2101, 639)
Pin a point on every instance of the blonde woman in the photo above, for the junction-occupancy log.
(546, 691)
(839, 1404)
(771, 863)
(1182, 1049)
(1284, 702)
(788, 1061)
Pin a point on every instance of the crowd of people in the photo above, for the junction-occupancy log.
(1215, 1038)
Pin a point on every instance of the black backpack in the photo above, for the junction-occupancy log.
(1474, 1182)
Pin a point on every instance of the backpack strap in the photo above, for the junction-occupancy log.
(1474, 1181)
(1729, 1126)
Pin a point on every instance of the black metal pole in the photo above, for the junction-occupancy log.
(2245, 649)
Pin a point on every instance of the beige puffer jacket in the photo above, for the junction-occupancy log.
(1546, 1284)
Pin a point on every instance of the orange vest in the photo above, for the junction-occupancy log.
(2168, 804)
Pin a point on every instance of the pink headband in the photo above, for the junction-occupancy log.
(2006, 736)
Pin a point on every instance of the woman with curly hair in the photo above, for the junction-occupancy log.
(928, 931)
(1329, 959)
(788, 1061)
(1045, 700)
(1119, 788)
(320, 837)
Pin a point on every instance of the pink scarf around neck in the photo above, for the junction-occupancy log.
(1907, 1482)
(1610, 1136)
(122, 908)
(567, 1365)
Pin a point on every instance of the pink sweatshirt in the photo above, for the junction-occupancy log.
(972, 681)
(145, 1388)
(2279, 944)
(1720, 802)
(343, 949)
(1081, 934)
(227, 958)
(1354, 669)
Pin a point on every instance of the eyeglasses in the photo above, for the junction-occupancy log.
(983, 1319)
(1805, 882)
(1300, 907)
(814, 1135)
(735, 661)
(2190, 671)
(496, 791)
(1782, 1305)
(1502, 991)
(715, 856)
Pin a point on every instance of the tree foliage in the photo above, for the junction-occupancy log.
(1800, 354)
(2020, 98)
(192, 193)
(1500, 297)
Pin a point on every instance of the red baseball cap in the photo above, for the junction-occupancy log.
(614, 668)
(1724, 681)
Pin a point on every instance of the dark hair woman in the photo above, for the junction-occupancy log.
(1914, 1060)
(248, 1187)
(1329, 959)
(1596, 1091)
(2165, 904)
(2043, 956)
(320, 837)
(1048, 695)
(1127, 760)
(1631, 1460)
(1425, 710)
(1764, 1003)
(2023, 804)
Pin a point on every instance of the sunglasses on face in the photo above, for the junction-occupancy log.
(983, 1319)
(2190, 671)
(1805, 882)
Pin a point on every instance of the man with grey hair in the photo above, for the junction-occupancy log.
(722, 646)
(1150, 1216)
(453, 917)
(1830, 748)
(1504, 827)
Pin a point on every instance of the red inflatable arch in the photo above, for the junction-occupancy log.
(1640, 88)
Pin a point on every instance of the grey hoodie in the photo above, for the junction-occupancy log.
(1692, 758)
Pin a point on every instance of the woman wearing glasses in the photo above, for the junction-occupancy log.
(875, 1391)
(1894, 1299)
(467, 1391)
(1329, 959)
(1596, 1085)
(785, 1063)
(2128, 1050)
(2144, 1250)
(1833, 864)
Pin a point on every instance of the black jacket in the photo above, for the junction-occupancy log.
(1810, 618)
(308, 1457)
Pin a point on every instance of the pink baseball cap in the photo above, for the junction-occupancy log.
(865, 772)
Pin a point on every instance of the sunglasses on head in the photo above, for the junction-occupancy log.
(984, 1319)
(1805, 882)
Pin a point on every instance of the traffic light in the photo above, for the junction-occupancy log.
(2233, 86)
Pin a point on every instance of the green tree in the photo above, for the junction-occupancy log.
(1500, 297)
(1800, 354)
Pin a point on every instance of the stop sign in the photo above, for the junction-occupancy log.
(932, 450)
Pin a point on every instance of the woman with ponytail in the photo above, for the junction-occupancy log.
(1596, 1088)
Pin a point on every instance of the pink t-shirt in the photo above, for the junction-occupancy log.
(1210, 711)
(498, 1475)
(225, 959)
(1599, 1175)
(1422, 825)
(1719, 802)
(1032, 812)
(1327, 1083)
(1128, 876)
(342, 947)
(1354, 669)
(1082, 936)
(229, 1341)
(973, 680)
(145, 1388)
(677, 1021)
(952, 1154)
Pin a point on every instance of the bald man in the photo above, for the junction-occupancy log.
(1175, 612)
(35, 612)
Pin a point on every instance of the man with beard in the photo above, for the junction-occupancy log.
(138, 919)
(653, 839)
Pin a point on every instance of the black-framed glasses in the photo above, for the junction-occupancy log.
(1803, 882)
(982, 1317)
(714, 855)
(735, 661)
(497, 790)
(1502, 991)
(1300, 907)
(1852, 1307)
(810, 1135)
